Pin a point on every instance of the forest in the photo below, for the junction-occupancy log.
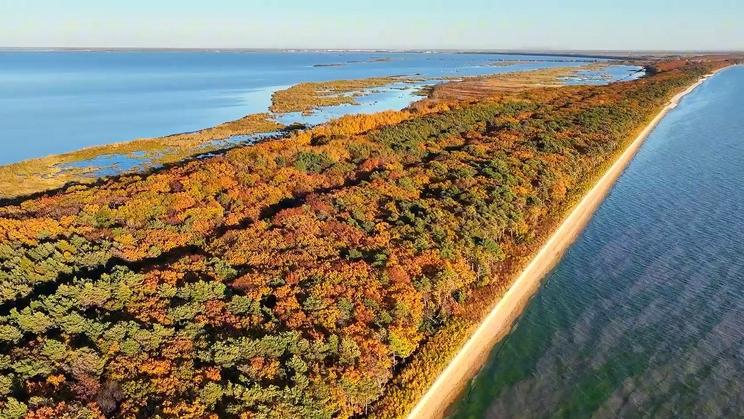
(326, 274)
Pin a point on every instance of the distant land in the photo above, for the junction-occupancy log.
(549, 52)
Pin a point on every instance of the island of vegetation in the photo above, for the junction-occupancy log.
(331, 273)
(307, 97)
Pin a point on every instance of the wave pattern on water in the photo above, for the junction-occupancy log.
(644, 317)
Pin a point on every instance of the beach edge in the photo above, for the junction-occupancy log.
(500, 318)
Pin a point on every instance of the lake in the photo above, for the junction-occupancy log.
(644, 316)
(58, 101)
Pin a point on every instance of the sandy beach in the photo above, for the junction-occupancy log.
(502, 316)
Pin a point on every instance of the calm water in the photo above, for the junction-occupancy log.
(644, 317)
(52, 102)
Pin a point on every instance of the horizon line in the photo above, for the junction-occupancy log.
(325, 49)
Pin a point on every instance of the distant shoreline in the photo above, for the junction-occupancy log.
(499, 320)
(574, 54)
(597, 54)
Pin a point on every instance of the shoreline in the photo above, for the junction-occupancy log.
(500, 318)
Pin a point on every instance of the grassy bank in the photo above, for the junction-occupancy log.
(52, 172)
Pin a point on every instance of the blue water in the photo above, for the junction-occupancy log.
(644, 317)
(53, 102)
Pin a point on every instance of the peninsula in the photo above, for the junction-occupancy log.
(335, 272)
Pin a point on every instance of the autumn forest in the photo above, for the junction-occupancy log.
(326, 274)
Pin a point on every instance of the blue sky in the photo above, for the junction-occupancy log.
(476, 24)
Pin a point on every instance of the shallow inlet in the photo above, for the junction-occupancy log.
(645, 314)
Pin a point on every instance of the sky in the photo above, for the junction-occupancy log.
(365, 24)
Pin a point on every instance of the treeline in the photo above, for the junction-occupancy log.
(303, 277)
